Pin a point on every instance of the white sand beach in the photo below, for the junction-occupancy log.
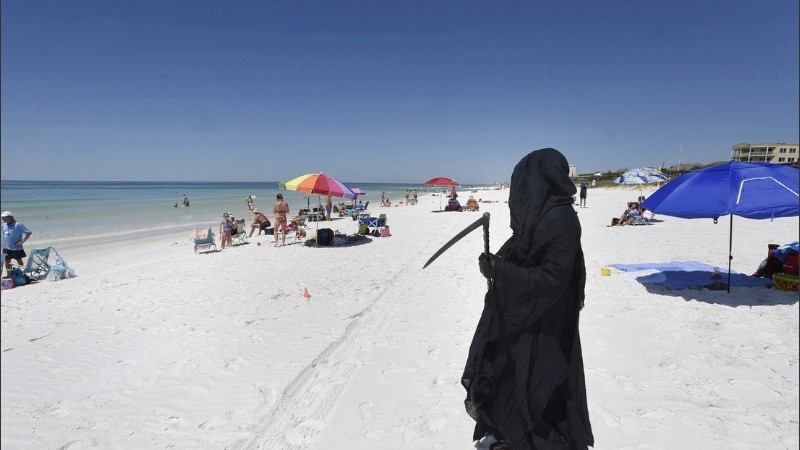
(154, 346)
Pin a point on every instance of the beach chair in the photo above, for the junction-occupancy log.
(240, 237)
(46, 262)
(203, 238)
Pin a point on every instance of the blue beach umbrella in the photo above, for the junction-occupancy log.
(745, 189)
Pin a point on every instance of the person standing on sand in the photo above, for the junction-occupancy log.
(14, 236)
(225, 231)
(328, 206)
(582, 194)
(524, 374)
(280, 209)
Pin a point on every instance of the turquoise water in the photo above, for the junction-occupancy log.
(73, 213)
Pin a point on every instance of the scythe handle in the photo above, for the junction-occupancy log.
(486, 241)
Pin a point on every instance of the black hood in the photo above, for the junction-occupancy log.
(540, 181)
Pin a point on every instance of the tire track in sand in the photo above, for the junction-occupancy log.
(299, 414)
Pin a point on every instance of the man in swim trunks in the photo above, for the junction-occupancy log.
(260, 222)
(280, 209)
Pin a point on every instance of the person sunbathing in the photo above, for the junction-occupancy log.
(472, 204)
(630, 215)
(234, 226)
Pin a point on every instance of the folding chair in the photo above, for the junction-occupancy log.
(241, 236)
(203, 238)
(38, 267)
(47, 263)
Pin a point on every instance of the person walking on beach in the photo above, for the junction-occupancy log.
(582, 194)
(280, 208)
(14, 236)
(524, 374)
(415, 196)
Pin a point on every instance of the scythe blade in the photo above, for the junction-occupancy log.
(483, 221)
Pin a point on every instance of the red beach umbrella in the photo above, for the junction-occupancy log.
(441, 181)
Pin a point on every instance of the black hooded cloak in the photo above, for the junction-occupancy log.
(524, 373)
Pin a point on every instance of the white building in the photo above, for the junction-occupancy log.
(771, 153)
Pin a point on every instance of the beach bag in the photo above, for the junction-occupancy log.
(8, 283)
(363, 229)
(376, 233)
(770, 265)
(385, 232)
(790, 265)
(18, 277)
(615, 221)
(325, 236)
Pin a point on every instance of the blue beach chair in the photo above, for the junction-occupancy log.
(203, 238)
(44, 261)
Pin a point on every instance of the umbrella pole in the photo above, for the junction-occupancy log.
(730, 253)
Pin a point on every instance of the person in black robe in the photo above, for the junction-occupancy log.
(524, 373)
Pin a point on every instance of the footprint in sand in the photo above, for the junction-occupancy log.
(611, 420)
(365, 408)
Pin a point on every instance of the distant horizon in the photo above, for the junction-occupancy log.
(355, 183)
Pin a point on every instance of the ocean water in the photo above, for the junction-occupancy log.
(66, 214)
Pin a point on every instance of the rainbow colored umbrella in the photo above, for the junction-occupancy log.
(318, 183)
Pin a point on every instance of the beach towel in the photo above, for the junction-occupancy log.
(678, 275)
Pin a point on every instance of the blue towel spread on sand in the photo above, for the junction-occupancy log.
(677, 275)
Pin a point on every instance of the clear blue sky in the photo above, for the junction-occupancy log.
(380, 91)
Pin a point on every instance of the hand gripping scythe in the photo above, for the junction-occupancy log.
(483, 221)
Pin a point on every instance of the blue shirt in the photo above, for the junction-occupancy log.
(12, 234)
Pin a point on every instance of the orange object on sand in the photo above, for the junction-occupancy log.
(305, 293)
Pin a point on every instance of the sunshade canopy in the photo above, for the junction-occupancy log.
(441, 181)
(318, 183)
(642, 175)
(752, 190)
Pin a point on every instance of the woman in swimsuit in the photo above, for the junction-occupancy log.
(280, 208)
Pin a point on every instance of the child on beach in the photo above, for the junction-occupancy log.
(225, 231)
